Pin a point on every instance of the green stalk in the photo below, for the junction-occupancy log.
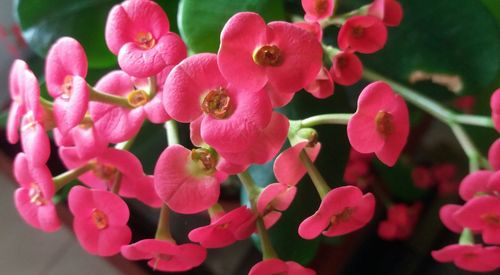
(316, 177)
(108, 98)
(61, 180)
(342, 119)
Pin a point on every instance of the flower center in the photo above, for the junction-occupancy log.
(105, 172)
(29, 122)
(357, 31)
(67, 87)
(491, 219)
(268, 55)
(145, 40)
(137, 98)
(217, 103)
(320, 6)
(36, 195)
(204, 159)
(384, 123)
(342, 216)
(99, 218)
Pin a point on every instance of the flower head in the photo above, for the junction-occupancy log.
(364, 34)
(389, 11)
(346, 68)
(447, 216)
(322, 85)
(482, 214)
(317, 9)
(274, 199)
(469, 257)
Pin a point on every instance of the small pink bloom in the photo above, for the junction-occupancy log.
(446, 214)
(422, 177)
(364, 34)
(482, 214)
(357, 173)
(112, 165)
(346, 68)
(269, 53)
(380, 124)
(138, 32)
(389, 11)
(65, 71)
(494, 155)
(274, 199)
(100, 222)
(343, 210)
(401, 220)
(444, 172)
(322, 86)
(232, 117)
(34, 198)
(469, 257)
(495, 108)
(225, 229)
(277, 266)
(17, 108)
(85, 139)
(187, 181)
(165, 255)
(317, 9)
(474, 184)
(288, 168)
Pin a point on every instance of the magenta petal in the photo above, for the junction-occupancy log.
(35, 142)
(270, 266)
(16, 112)
(312, 226)
(346, 68)
(288, 168)
(69, 112)
(362, 134)
(474, 183)
(446, 214)
(364, 34)
(494, 154)
(317, 9)
(155, 111)
(322, 86)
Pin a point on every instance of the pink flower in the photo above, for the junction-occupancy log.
(422, 177)
(100, 221)
(494, 155)
(389, 11)
(288, 168)
(444, 172)
(17, 109)
(401, 219)
(34, 198)
(85, 139)
(187, 181)
(343, 210)
(346, 68)
(469, 257)
(380, 124)
(495, 109)
(274, 199)
(474, 184)
(165, 255)
(277, 266)
(364, 34)
(225, 228)
(447, 216)
(66, 82)
(138, 32)
(271, 54)
(117, 123)
(111, 166)
(322, 86)
(317, 9)
(357, 173)
(231, 117)
(482, 214)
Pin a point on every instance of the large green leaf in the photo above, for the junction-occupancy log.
(200, 22)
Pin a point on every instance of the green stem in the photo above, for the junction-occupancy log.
(163, 228)
(318, 180)
(45, 103)
(474, 120)
(467, 237)
(215, 210)
(326, 119)
(71, 175)
(339, 20)
(475, 157)
(172, 132)
(152, 86)
(253, 191)
(108, 98)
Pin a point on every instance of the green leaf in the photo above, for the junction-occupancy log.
(201, 22)
(43, 22)
(3, 119)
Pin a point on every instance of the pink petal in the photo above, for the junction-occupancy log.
(474, 183)
(317, 9)
(322, 86)
(364, 34)
(446, 214)
(494, 154)
(35, 142)
(288, 168)
(346, 68)
(16, 112)
(270, 266)
(390, 11)
(69, 112)
(472, 214)
(41, 217)
(155, 111)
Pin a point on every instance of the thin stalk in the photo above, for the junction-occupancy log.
(475, 157)
(163, 228)
(152, 86)
(316, 177)
(172, 132)
(342, 119)
(466, 237)
(474, 120)
(61, 180)
(108, 98)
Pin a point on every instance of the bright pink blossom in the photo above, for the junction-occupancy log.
(422, 177)
(274, 199)
(187, 181)
(100, 221)
(65, 72)
(225, 228)
(269, 53)
(380, 124)
(494, 154)
(277, 266)
(346, 68)
(389, 11)
(474, 184)
(482, 214)
(446, 214)
(165, 255)
(34, 198)
(17, 89)
(138, 32)
(232, 117)
(317, 9)
(495, 108)
(111, 166)
(469, 257)
(364, 34)
(322, 86)
(343, 210)
(288, 168)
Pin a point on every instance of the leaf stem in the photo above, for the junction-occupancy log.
(466, 237)
(99, 96)
(316, 177)
(70, 175)
(342, 119)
